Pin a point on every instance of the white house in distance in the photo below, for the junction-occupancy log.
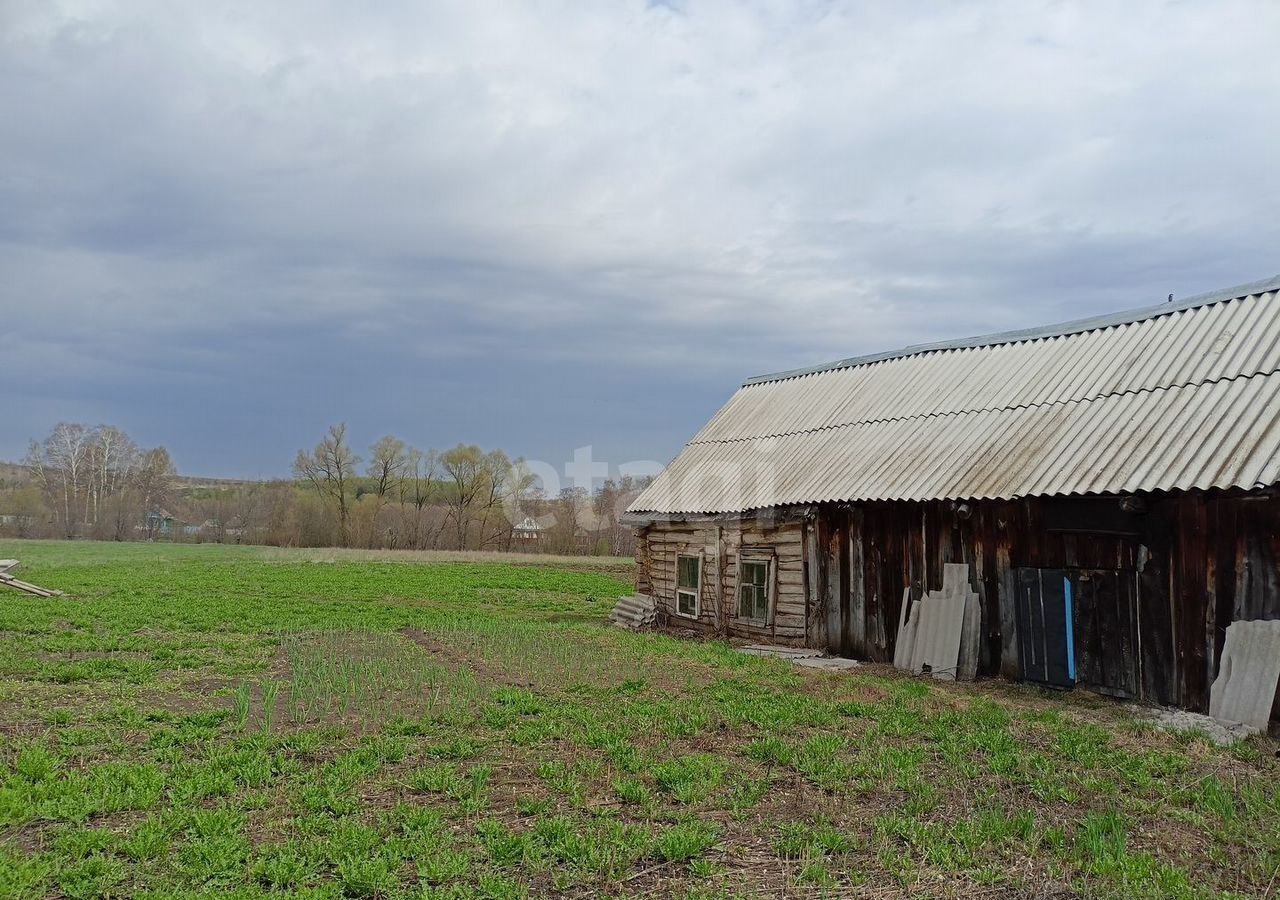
(527, 531)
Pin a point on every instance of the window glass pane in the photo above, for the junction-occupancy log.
(687, 572)
(753, 593)
(687, 604)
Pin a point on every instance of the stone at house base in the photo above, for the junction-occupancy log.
(1222, 733)
(791, 653)
(801, 656)
(830, 663)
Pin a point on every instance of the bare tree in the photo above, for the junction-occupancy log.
(611, 502)
(498, 473)
(61, 463)
(152, 486)
(329, 468)
(569, 509)
(422, 470)
(248, 505)
(464, 468)
(477, 489)
(511, 483)
(387, 461)
(112, 459)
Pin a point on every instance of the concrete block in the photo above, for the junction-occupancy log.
(1223, 733)
(833, 663)
(801, 656)
(1248, 671)
(792, 653)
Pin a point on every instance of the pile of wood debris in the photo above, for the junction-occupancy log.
(8, 579)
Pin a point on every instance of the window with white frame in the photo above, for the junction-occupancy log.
(688, 585)
(754, 589)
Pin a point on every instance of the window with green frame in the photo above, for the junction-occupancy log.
(688, 585)
(753, 589)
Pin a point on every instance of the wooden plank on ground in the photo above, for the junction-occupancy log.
(11, 581)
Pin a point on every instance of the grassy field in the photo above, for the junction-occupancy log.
(242, 722)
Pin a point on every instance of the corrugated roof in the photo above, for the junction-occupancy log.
(1178, 396)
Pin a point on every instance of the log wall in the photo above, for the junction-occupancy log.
(721, 544)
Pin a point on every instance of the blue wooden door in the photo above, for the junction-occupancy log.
(1046, 636)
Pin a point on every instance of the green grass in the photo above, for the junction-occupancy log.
(206, 721)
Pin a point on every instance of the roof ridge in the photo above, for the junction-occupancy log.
(1077, 326)
(970, 411)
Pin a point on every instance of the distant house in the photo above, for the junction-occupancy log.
(1111, 484)
(17, 523)
(527, 531)
(159, 522)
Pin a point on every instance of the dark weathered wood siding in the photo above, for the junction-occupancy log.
(1196, 561)
(1200, 562)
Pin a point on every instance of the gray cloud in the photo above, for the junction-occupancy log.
(539, 226)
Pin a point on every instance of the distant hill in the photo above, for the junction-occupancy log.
(199, 481)
(12, 473)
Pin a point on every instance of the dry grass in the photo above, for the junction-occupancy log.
(612, 564)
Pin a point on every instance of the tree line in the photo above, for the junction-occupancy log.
(96, 482)
(464, 498)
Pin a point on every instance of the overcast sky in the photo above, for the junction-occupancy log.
(544, 225)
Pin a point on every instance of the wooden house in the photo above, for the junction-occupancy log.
(1111, 484)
